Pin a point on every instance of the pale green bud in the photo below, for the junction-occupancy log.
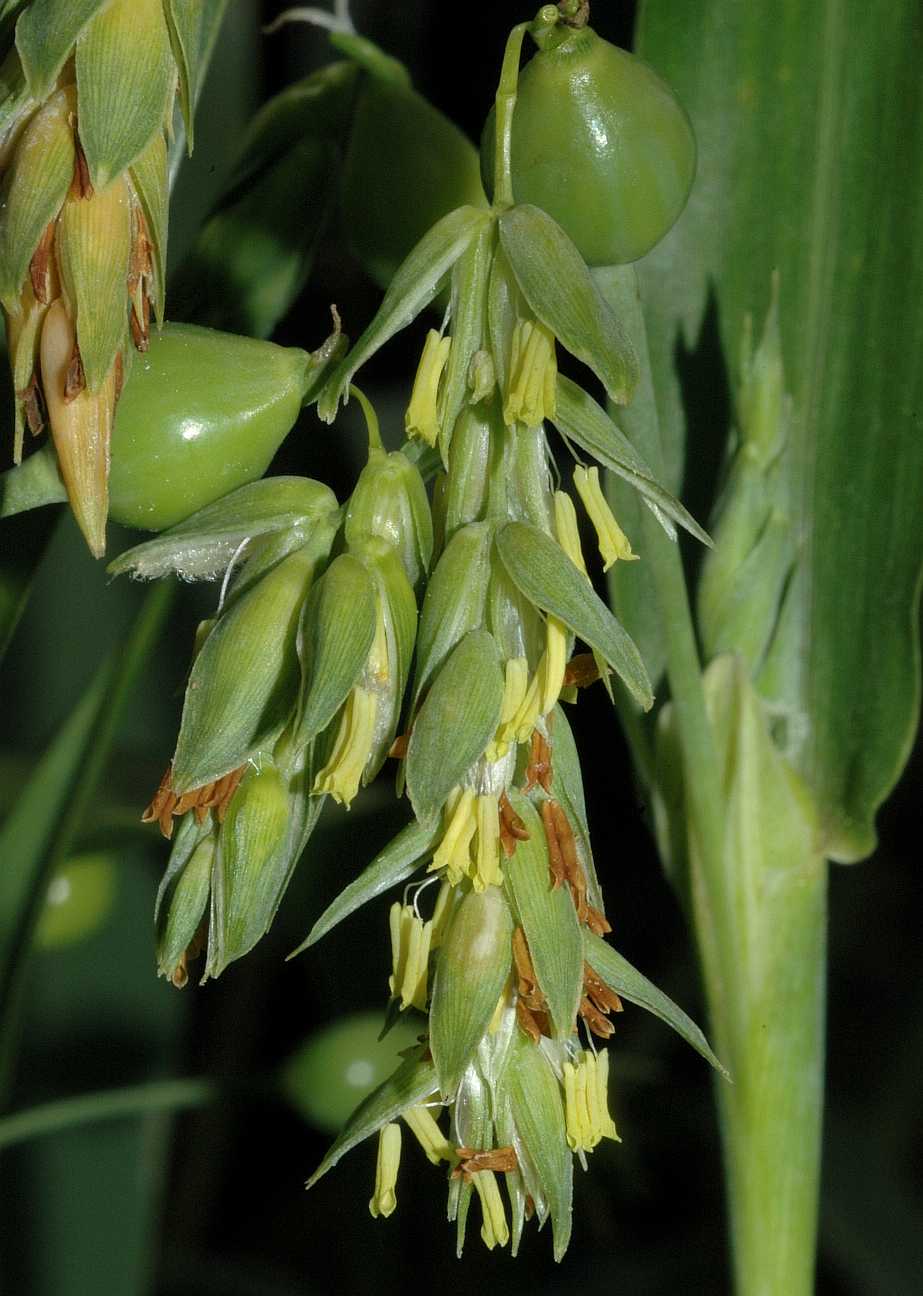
(389, 501)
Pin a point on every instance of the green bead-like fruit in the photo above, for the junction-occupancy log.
(78, 901)
(201, 414)
(341, 1064)
(601, 144)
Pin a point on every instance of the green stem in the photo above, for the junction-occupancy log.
(371, 418)
(758, 905)
(505, 107)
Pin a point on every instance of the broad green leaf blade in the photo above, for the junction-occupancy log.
(125, 84)
(472, 966)
(628, 982)
(45, 37)
(399, 860)
(579, 418)
(456, 722)
(414, 286)
(538, 1114)
(202, 547)
(413, 1081)
(254, 254)
(836, 145)
(395, 139)
(336, 633)
(545, 574)
(549, 920)
(557, 285)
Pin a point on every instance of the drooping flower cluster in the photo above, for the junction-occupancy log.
(443, 633)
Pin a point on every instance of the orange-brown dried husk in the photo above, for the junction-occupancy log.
(23, 330)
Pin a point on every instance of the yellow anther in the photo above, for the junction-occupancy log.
(530, 709)
(613, 542)
(428, 1134)
(494, 1231)
(422, 417)
(553, 664)
(530, 397)
(514, 691)
(606, 1123)
(487, 868)
(342, 774)
(586, 1103)
(384, 1199)
(410, 945)
(567, 531)
(453, 853)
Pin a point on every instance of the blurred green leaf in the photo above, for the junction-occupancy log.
(38, 833)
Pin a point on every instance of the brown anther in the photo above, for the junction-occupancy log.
(167, 805)
(165, 818)
(40, 266)
(529, 1206)
(582, 670)
(471, 1162)
(555, 853)
(539, 768)
(33, 407)
(141, 326)
(163, 798)
(228, 786)
(398, 748)
(512, 829)
(605, 999)
(522, 959)
(180, 974)
(119, 376)
(598, 1023)
(528, 1022)
(573, 870)
(74, 381)
(597, 921)
(81, 186)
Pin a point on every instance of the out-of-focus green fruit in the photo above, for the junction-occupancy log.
(340, 1064)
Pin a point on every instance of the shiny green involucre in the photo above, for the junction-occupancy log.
(601, 143)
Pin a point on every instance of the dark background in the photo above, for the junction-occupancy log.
(212, 1202)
